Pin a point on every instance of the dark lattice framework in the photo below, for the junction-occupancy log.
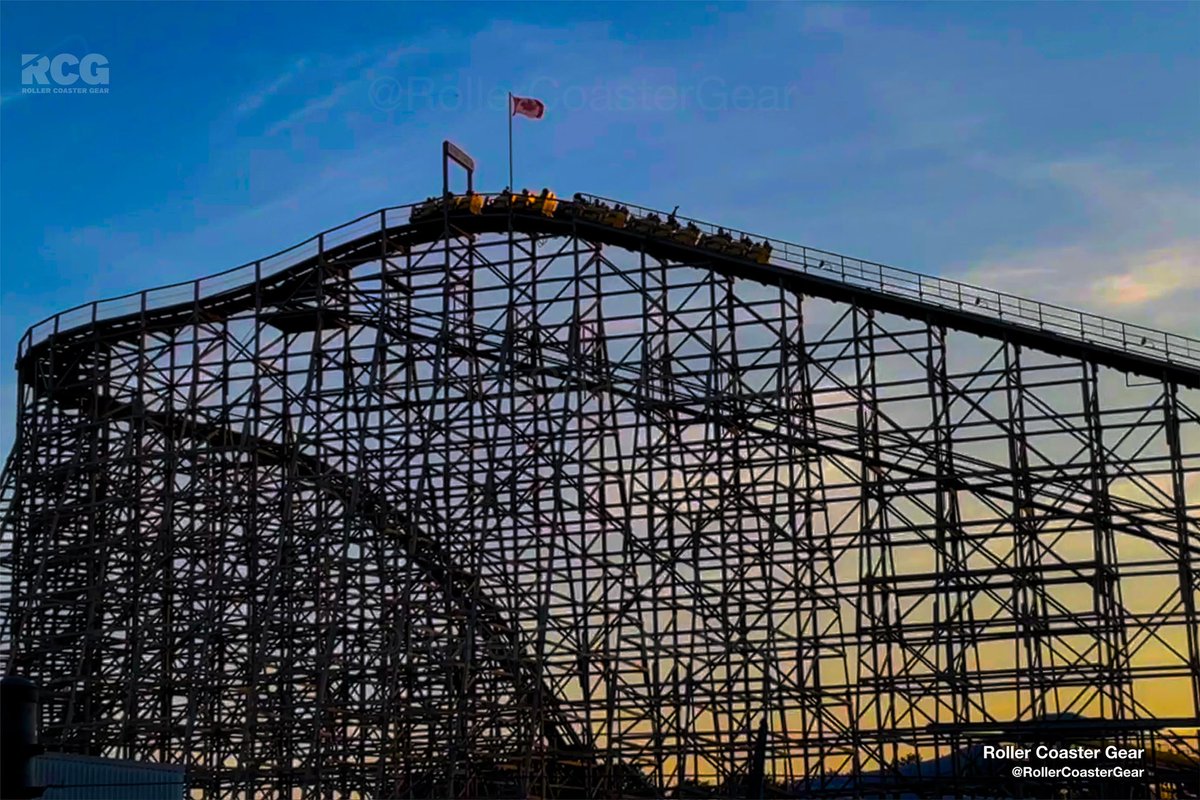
(511, 505)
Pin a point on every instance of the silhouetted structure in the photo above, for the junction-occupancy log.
(504, 502)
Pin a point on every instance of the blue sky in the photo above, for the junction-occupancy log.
(1048, 149)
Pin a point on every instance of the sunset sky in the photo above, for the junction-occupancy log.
(525, 494)
(1046, 149)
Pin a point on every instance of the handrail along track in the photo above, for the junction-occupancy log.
(1135, 348)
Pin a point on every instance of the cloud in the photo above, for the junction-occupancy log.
(255, 100)
(1159, 286)
(325, 83)
(1138, 257)
(310, 110)
(1124, 199)
(1151, 277)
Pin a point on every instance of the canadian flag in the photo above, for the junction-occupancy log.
(528, 107)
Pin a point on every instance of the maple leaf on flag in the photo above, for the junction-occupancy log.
(528, 107)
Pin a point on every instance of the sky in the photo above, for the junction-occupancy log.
(1050, 150)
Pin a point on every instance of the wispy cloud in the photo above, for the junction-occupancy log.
(311, 110)
(1138, 257)
(1124, 198)
(255, 100)
(330, 83)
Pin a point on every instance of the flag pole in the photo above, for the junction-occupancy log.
(511, 187)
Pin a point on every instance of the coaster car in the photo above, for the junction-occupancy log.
(547, 203)
(590, 213)
(737, 248)
(720, 241)
(586, 210)
(509, 199)
(598, 211)
(616, 217)
(501, 202)
(469, 202)
(654, 225)
(544, 203)
(740, 247)
(761, 253)
(431, 207)
(688, 234)
(649, 224)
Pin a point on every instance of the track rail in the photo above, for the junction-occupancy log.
(1121, 345)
